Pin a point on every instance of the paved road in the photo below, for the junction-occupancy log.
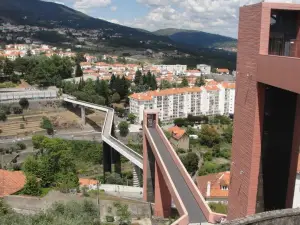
(194, 211)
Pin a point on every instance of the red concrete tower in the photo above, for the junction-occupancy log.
(267, 109)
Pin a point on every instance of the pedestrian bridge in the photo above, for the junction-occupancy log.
(164, 176)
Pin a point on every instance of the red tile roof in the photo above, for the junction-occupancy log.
(87, 182)
(177, 132)
(217, 180)
(11, 182)
(222, 70)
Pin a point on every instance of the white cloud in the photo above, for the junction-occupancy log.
(83, 5)
(113, 8)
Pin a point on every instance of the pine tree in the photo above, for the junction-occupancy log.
(138, 79)
(184, 82)
(8, 68)
(78, 72)
(112, 82)
(153, 83)
(200, 81)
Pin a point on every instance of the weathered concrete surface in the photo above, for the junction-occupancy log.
(277, 217)
(33, 205)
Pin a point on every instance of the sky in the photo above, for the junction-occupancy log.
(214, 16)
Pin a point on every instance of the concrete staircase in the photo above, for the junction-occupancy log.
(136, 171)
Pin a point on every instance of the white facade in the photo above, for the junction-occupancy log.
(181, 102)
(178, 69)
(296, 202)
(205, 69)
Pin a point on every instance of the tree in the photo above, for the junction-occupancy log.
(218, 207)
(47, 125)
(29, 53)
(21, 65)
(116, 98)
(113, 178)
(190, 161)
(78, 71)
(2, 116)
(123, 214)
(138, 79)
(180, 122)
(24, 103)
(31, 166)
(184, 82)
(124, 128)
(165, 85)
(32, 186)
(80, 58)
(209, 136)
(216, 151)
(8, 67)
(200, 81)
(227, 134)
(131, 118)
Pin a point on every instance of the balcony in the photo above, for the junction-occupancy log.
(282, 47)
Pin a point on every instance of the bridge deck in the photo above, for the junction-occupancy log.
(194, 211)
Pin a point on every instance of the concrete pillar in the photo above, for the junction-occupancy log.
(116, 160)
(163, 198)
(106, 158)
(148, 172)
(83, 114)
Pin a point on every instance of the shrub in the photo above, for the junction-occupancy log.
(32, 186)
(22, 126)
(110, 219)
(17, 110)
(3, 116)
(218, 207)
(123, 127)
(21, 145)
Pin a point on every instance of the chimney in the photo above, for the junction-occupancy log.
(208, 189)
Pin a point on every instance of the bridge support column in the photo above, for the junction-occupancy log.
(116, 160)
(148, 172)
(106, 158)
(163, 198)
(83, 114)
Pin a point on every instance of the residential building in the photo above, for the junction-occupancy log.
(205, 69)
(214, 187)
(212, 99)
(222, 71)
(11, 182)
(178, 69)
(229, 92)
(179, 138)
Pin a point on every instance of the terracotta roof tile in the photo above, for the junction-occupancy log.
(228, 85)
(217, 180)
(11, 182)
(223, 70)
(87, 182)
(177, 132)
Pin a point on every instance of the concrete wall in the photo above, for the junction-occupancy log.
(32, 205)
(278, 217)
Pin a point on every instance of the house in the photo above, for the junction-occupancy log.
(179, 138)
(205, 69)
(89, 183)
(222, 71)
(215, 187)
(11, 182)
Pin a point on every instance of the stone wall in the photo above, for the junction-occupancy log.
(277, 217)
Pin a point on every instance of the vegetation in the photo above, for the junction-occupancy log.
(144, 82)
(78, 71)
(7, 84)
(32, 186)
(71, 213)
(210, 167)
(218, 207)
(47, 125)
(3, 116)
(123, 214)
(124, 128)
(131, 118)
(190, 161)
(24, 103)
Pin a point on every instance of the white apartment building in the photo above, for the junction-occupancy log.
(175, 103)
(205, 69)
(177, 69)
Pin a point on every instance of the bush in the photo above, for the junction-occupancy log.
(17, 110)
(47, 125)
(218, 207)
(22, 126)
(24, 103)
(32, 186)
(124, 128)
(210, 167)
(131, 118)
(207, 156)
(190, 161)
(209, 136)
(110, 219)
(3, 116)
(21, 145)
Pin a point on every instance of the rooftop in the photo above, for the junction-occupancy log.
(177, 132)
(11, 182)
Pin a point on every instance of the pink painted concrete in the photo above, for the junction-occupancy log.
(163, 199)
(210, 216)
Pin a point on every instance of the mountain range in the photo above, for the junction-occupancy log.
(197, 38)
